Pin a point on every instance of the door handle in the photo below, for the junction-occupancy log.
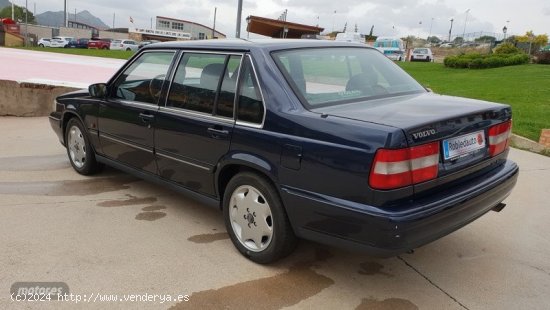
(146, 117)
(217, 133)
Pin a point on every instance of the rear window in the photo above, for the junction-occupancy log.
(331, 76)
(116, 41)
(420, 51)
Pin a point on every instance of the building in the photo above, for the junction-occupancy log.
(277, 28)
(195, 30)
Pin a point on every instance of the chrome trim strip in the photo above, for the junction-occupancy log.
(190, 113)
(102, 135)
(183, 161)
(248, 124)
(261, 95)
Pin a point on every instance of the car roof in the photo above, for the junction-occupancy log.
(245, 45)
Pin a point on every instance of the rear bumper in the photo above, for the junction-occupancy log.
(382, 232)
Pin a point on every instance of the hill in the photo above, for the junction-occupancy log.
(55, 19)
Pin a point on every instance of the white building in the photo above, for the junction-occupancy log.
(195, 30)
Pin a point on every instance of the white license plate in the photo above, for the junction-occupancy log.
(463, 145)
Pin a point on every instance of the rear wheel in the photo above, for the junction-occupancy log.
(128, 49)
(40, 45)
(428, 59)
(256, 220)
(104, 48)
(79, 149)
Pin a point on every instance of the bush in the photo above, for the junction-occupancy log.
(507, 48)
(543, 58)
(478, 61)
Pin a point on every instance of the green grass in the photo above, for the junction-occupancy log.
(525, 87)
(85, 52)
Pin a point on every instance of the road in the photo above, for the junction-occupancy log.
(114, 234)
(54, 68)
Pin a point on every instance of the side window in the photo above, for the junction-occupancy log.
(250, 107)
(142, 80)
(196, 82)
(226, 98)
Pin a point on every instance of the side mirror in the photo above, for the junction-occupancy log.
(98, 90)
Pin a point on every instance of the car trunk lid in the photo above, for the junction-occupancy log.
(460, 126)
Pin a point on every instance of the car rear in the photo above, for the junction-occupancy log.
(442, 163)
(116, 45)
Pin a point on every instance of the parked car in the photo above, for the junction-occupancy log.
(60, 41)
(102, 44)
(321, 140)
(446, 45)
(422, 54)
(79, 43)
(43, 42)
(144, 43)
(124, 45)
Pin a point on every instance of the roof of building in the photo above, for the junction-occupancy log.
(190, 22)
(276, 28)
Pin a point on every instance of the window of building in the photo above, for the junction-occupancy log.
(163, 24)
(177, 26)
(202, 36)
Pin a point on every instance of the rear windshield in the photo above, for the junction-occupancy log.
(331, 76)
(420, 51)
(116, 41)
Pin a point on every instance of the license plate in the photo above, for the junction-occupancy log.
(463, 145)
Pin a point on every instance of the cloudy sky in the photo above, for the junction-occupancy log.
(389, 17)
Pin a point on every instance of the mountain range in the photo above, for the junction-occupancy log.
(55, 19)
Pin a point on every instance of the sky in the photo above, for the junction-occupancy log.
(389, 17)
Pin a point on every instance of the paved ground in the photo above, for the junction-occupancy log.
(113, 234)
(54, 68)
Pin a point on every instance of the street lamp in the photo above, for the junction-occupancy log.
(451, 29)
(504, 30)
(465, 21)
(239, 12)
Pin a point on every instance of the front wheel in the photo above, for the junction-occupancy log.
(256, 220)
(80, 152)
(40, 45)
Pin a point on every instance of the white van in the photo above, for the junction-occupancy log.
(350, 37)
(391, 47)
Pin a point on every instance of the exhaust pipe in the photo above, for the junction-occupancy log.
(499, 207)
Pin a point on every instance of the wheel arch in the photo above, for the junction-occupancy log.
(238, 163)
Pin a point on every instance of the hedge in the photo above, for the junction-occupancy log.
(478, 61)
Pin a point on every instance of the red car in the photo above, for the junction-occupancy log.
(102, 44)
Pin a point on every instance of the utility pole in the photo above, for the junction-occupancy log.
(239, 12)
(113, 20)
(214, 27)
(34, 12)
(450, 29)
(12, 10)
(75, 15)
(151, 23)
(65, 21)
(27, 25)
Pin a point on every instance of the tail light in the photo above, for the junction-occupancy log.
(499, 137)
(394, 168)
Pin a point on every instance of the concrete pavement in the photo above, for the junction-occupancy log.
(115, 234)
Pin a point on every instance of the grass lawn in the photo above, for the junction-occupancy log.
(85, 52)
(526, 88)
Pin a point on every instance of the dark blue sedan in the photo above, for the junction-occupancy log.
(326, 141)
(78, 43)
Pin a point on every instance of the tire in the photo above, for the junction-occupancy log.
(428, 59)
(79, 150)
(262, 218)
(128, 49)
(104, 48)
(40, 45)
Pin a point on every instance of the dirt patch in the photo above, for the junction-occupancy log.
(372, 268)
(208, 238)
(150, 216)
(386, 304)
(132, 200)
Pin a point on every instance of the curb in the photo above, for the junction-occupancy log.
(526, 144)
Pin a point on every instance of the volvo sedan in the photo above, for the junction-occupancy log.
(326, 141)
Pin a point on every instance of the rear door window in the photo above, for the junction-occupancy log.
(250, 107)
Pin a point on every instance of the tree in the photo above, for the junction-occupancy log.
(485, 39)
(458, 40)
(530, 37)
(19, 14)
(433, 39)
